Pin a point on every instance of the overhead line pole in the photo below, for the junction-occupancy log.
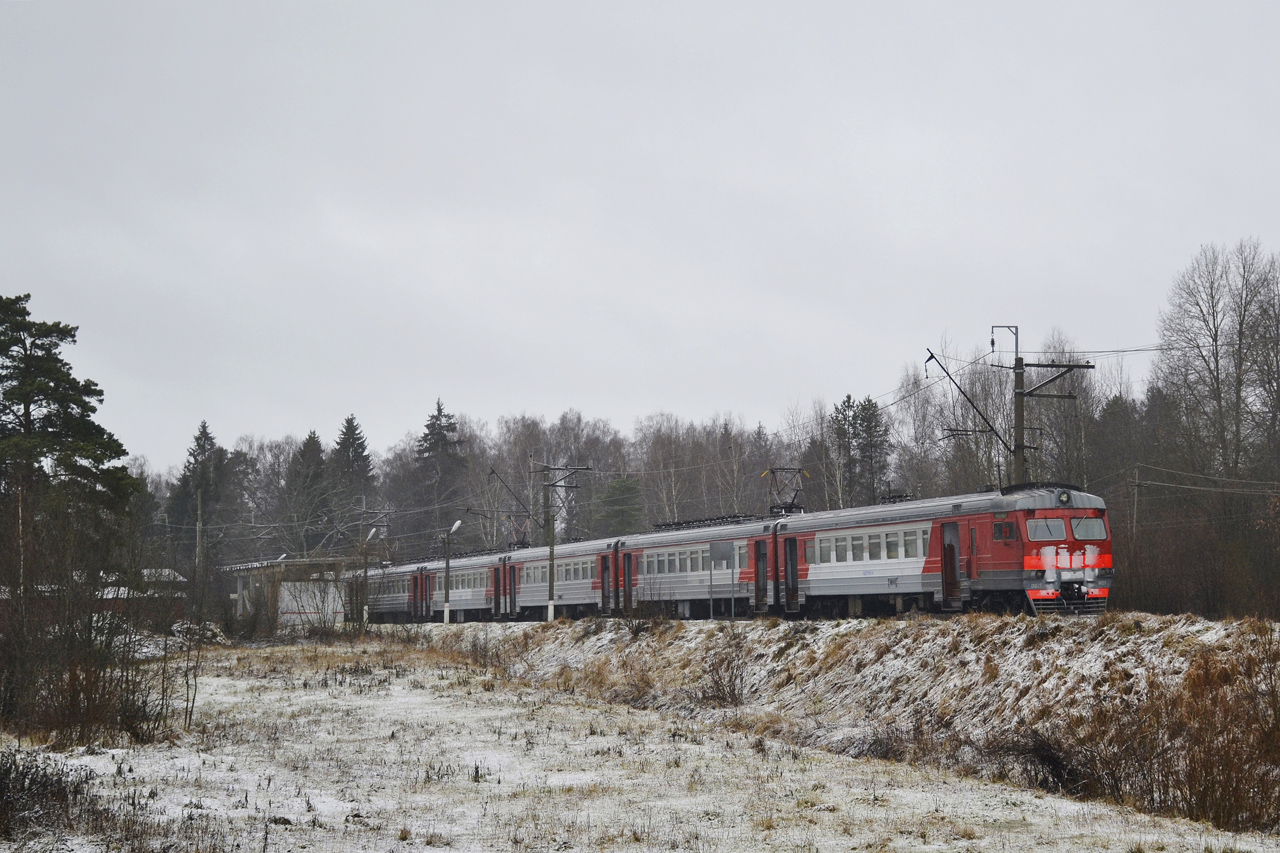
(1020, 395)
(549, 527)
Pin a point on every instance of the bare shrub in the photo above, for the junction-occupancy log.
(1205, 748)
(39, 793)
(724, 671)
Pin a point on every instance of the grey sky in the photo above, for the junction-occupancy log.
(269, 215)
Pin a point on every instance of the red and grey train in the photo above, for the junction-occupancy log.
(1033, 548)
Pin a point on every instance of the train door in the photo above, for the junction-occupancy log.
(791, 554)
(604, 584)
(762, 575)
(951, 566)
(415, 598)
(972, 567)
(497, 591)
(512, 610)
(615, 583)
(626, 583)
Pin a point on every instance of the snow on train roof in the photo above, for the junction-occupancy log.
(907, 511)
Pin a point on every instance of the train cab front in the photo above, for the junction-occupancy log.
(1067, 557)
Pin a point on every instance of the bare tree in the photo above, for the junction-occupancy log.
(1208, 347)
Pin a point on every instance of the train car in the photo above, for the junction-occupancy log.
(1034, 548)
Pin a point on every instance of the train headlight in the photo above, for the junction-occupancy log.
(1064, 498)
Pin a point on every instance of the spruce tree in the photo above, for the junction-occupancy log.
(350, 467)
(442, 465)
(210, 488)
(305, 496)
(860, 433)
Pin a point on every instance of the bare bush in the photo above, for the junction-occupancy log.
(1205, 748)
(39, 793)
(724, 672)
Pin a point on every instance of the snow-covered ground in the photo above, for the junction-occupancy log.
(387, 745)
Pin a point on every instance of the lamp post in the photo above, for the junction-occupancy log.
(448, 537)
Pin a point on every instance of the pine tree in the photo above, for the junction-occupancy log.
(306, 498)
(48, 438)
(350, 467)
(209, 489)
(861, 436)
(441, 464)
(63, 496)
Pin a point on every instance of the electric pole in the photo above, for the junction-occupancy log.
(1019, 414)
(548, 521)
(1020, 395)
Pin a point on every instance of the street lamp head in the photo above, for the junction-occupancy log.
(455, 527)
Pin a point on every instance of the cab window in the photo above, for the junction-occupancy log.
(1088, 529)
(1046, 529)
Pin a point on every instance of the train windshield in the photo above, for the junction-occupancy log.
(1088, 529)
(1046, 529)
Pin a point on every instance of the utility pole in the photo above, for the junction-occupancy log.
(199, 574)
(548, 522)
(1133, 521)
(1019, 413)
(1020, 395)
(364, 560)
(448, 544)
(549, 528)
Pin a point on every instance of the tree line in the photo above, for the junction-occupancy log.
(1187, 457)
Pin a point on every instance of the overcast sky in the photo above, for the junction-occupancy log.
(270, 215)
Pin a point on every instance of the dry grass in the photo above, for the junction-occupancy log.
(1205, 746)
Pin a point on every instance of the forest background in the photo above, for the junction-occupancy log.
(1190, 467)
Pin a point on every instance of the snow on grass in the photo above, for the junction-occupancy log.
(387, 745)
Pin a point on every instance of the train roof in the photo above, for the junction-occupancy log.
(1046, 496)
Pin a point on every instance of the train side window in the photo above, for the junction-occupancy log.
(742, 556)
(842, 549)
(855, 548)
(909, 544)
(891, 546)
(684, 561)
(873, 546)
(808, 552)
(1004, 531)
(824, 550)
